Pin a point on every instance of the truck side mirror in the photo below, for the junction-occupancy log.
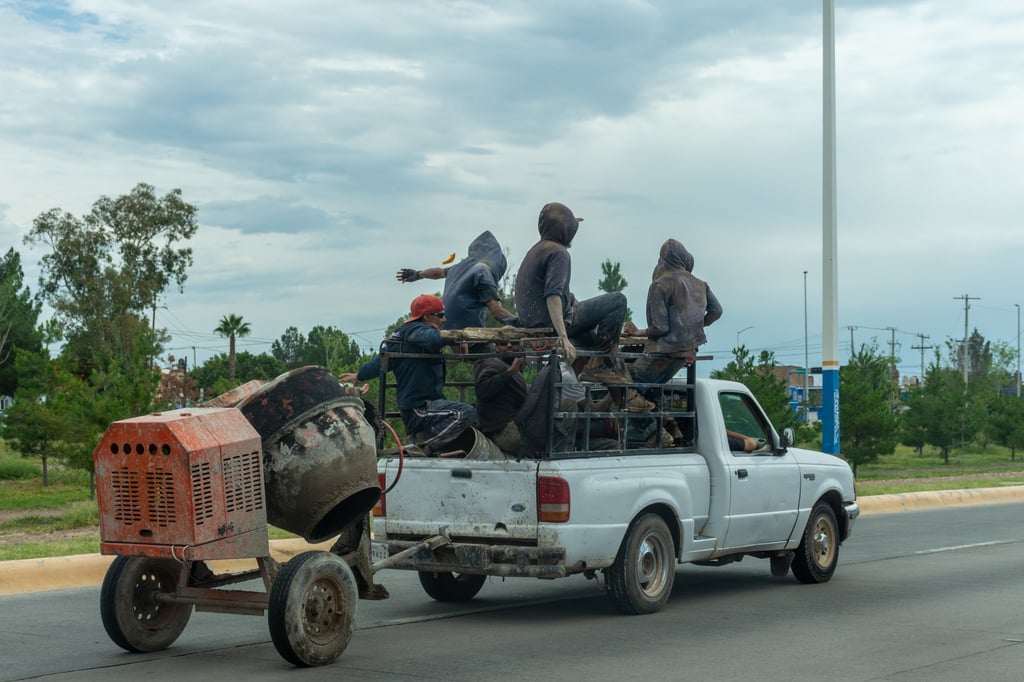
(787, 437)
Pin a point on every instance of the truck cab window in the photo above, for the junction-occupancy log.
(745, 426)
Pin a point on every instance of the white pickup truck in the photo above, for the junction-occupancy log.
(632, 514)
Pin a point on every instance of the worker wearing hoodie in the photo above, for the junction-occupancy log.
(471, 285)
(679, 306)
(543, 297)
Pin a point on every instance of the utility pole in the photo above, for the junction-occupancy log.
(922, 348)
(964, 356)
(892, 365)
(851, 340)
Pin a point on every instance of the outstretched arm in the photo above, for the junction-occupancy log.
(411, 275)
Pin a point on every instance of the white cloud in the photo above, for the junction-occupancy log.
(328, 144)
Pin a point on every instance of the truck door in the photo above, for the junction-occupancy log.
(764, 487)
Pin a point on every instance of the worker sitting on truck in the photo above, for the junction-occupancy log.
(500, 391)
(471, 285)
(429, 418)
(543, 298)
(679, 306)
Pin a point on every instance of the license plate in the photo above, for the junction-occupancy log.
(378, 551)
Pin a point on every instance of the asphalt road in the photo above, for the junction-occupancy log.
(928, 595)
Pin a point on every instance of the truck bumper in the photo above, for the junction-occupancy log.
(477, 559)
(851, 511)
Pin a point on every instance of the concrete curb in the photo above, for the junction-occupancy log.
(88, 570)
(897, 502)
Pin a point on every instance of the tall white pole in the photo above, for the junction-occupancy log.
(830, 278)
(1018, 348)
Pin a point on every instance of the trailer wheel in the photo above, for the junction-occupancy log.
(640, 581)
(446, 586)
(312, 608)
(133, 615)
(818, 553)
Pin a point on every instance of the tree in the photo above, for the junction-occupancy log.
(324, 346)
(106, 271)
(19, 315)
(870, 426)
(760, 377)
(613, 281)
(103, 273)
(231, 326)
(1007, 421)
(943, 411)
(212, 377)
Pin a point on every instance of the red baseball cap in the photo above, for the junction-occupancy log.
(425, 304)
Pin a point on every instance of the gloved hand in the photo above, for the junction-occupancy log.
(407, 275)
(512, 321)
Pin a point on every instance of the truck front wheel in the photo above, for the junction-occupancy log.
(640, 580)
(818, 553)
(446, 586)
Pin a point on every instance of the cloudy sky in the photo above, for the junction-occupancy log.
(327, 143)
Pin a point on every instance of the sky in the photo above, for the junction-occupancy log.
(328, 143)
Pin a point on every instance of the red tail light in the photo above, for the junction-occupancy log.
(552, 499)
(381, 508)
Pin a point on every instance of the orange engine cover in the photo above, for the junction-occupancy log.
(185, 483)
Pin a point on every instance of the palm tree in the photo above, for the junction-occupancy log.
(232, 326)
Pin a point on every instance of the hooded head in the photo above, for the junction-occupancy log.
(557, 223)
(486, 249)
(673, 256)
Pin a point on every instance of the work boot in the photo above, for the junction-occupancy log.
(673, 430)
(637, 403)
(607, 374)
(666, 440)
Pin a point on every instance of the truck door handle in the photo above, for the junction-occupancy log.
(741, 473)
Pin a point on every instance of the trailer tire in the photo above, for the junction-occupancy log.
(132, 615)
(818, 553)
(447, 586)
(640, 581)
(311, 612)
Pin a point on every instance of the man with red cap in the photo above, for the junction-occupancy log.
(429, 418)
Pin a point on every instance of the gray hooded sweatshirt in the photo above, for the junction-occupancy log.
(679, 305)
(547, 267)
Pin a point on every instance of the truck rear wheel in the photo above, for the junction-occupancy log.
(447, 586)
(640, 581)
(818, 553)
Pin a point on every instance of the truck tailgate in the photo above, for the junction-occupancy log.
(465, 499)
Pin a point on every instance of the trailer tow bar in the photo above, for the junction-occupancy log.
(430, 543)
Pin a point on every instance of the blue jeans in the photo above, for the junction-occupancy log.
(438, 422)
(596, 323)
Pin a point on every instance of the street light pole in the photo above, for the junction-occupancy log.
(740, 332)
(807, 400)
(1018, 348)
